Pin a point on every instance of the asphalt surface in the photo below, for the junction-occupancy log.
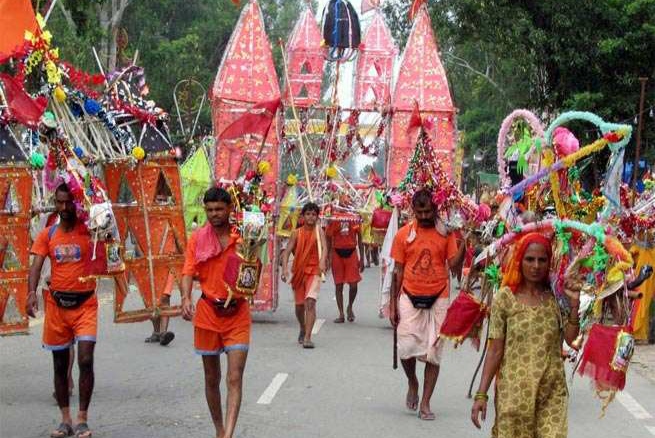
(344, 388)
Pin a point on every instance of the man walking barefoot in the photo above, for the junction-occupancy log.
(343, 241)
(307, 269)
(71, 307)
(419, 296)
(219, 326)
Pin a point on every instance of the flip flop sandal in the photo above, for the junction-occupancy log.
(351, 317)
(426, 416)
(308, 344)
(166, 338)
(301, 338)
(340, 320)
(82, 431)
(63, 430)
(153, 339)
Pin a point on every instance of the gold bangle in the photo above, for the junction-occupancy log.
(481, 396)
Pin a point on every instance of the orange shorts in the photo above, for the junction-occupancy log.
(215, 334)
(345, 270)
(63, 327)
(311, 286)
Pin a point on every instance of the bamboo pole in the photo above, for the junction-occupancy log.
(302, 150)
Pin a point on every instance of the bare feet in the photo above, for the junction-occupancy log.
(412, 395)
(351, 315)
(340, 320)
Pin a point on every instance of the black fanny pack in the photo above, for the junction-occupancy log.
(220, 308)
(344, 253)
(71, 300)
(423, 301)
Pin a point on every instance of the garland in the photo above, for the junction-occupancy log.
(501, 144)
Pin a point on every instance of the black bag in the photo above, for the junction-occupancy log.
(341, 25)
(423, 301)
(220, 309)
(71, 300)
(344, 253)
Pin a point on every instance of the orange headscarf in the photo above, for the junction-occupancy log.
(512, 275)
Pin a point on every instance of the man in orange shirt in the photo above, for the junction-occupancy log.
(307, 269)
(71, 307)
(419, 296)
(219, 326)
(343, 240)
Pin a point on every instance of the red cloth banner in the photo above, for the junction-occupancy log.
(464, 314)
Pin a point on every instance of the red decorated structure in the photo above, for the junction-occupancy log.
(306, 61)
(245, 78)
(147, 203)
(375, 66)
(422, 80)
(15, 215)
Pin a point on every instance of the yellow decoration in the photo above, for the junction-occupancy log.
(554, 184)
(138, 153)
(47, 37)
(331, 172)
(54, 75)
(40, 20)
(60, 95)
(263, 167)
(614, 275)
(289, 212)
(292, 179)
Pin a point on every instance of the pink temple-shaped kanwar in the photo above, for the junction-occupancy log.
(422, 79)
(375, 66)
(306, 61)
(246, 77)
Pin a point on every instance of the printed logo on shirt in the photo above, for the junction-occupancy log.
(344, 228)
(423, 266)
(68, 253)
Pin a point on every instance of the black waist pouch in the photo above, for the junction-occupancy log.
(219, 306)
(344, 253)
(71, 300)
(423, 301)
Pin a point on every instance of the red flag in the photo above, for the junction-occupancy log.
(416, 6)
(257, 120)
(415, 120)
(369, 5)
(22, 107)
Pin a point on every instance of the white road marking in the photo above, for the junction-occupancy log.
(633, 406)
(317, 326)
(651, 429)
(268, 395)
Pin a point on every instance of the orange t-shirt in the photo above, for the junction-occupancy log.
(343, 234)
(69, 253)
(209, 272)
(425, 259)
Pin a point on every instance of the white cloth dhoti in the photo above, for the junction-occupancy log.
(418, 330)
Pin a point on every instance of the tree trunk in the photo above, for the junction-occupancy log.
(110, 14)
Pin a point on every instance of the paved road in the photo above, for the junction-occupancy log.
(345, 388)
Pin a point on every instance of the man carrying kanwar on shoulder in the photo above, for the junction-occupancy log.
(423, 254)
(220, 326)
(307, 269)
(344, 239)
(71, 307)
